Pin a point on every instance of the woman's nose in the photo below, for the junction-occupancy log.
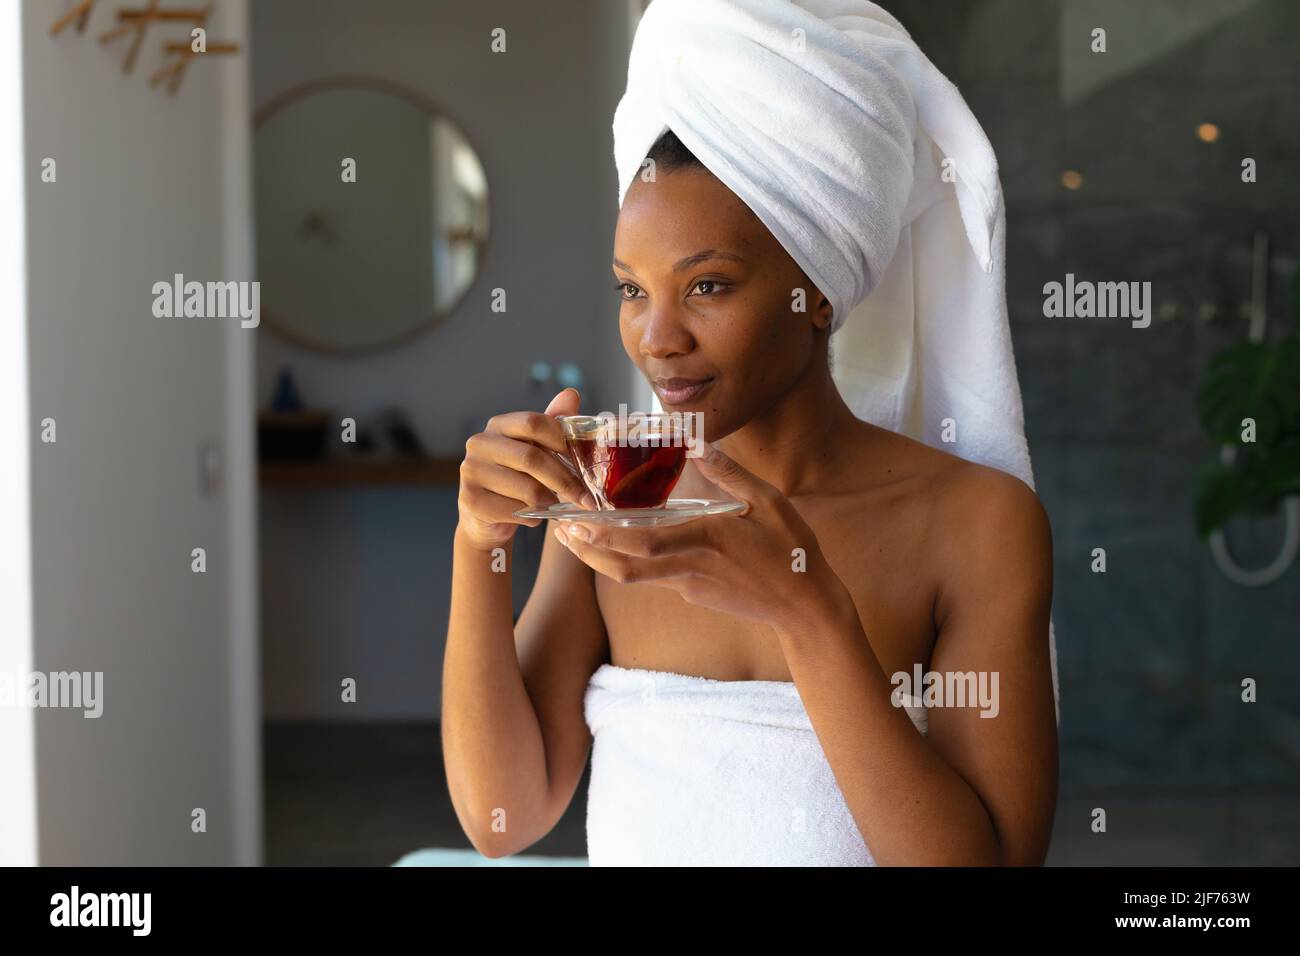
(664, 334)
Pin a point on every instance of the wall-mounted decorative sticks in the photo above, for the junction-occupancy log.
(135, 22)
(80, 13)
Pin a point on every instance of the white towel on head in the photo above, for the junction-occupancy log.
(868, 167)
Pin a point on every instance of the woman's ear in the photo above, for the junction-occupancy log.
(823, 313)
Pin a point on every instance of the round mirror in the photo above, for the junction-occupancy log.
(372, 214)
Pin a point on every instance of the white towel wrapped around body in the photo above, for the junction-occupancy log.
(690, 771)
(866, 164)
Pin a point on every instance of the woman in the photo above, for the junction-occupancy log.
(739, 673)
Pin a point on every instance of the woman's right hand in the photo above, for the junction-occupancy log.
(509, 466)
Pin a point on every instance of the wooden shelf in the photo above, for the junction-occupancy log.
(343, 472)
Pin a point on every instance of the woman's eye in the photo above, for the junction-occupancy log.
(705, 287)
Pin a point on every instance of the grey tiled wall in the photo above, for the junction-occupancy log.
(1151, 653)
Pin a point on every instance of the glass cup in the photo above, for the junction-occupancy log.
(632, 461)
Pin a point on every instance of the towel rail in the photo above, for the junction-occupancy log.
(1291, 503)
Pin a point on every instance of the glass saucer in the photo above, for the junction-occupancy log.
(674, 511)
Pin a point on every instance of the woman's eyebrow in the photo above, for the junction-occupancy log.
(704, 255)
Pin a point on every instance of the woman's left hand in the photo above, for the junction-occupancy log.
(764, 564)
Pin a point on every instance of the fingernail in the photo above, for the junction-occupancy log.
(561, 535)
(580, 532)
(588, 501)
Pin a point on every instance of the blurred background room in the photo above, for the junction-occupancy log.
(291, 689)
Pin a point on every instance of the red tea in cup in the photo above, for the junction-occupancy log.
(624, 467)
(626, 476)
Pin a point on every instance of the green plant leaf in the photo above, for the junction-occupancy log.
(1252, 380)
(1280, 469)
(1219, 495)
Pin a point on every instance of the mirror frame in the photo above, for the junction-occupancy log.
(377, 84)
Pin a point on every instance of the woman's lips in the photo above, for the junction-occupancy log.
(679, 391)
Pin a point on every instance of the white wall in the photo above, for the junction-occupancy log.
(354, 582)
(148, 185)
(17, 739)
(243, 663)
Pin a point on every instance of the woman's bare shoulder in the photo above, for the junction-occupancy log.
(979, 504)
(994, 530)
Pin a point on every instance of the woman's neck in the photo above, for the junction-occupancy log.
(793, 444)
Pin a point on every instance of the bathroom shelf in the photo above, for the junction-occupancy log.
(342, 472)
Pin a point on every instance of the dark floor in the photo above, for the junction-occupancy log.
(365, 794)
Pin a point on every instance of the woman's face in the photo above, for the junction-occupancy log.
(708, 301)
